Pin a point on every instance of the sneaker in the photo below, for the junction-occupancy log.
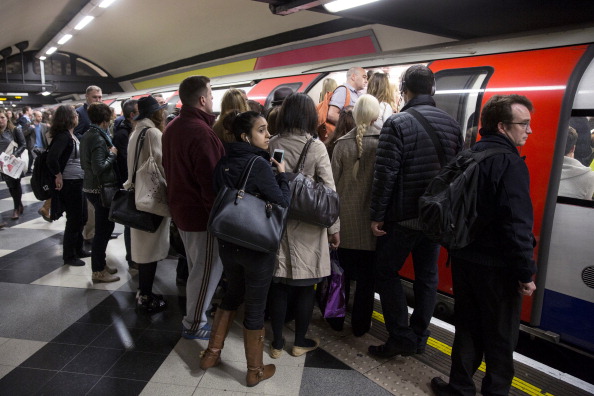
(150, 304)
(111, 270)
(104, 276)
(202, 333)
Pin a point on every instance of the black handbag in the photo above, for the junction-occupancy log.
(107, 192)
(311, 201)
(246, 220)
(123, 206)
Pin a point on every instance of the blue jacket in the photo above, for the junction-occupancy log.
(406, 159)
(261, 182)
(505, 206)
(84, 122)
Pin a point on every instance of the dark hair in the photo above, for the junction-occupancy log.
(297, 114)
(499, 109)
(64, 119)
(99, 112)
(9, 124)
(345, 123)
(572, 138)
(129, 107)
(157, 118)
(192, 88)
(255, 106)
(239, 123)
(271, 118)
(419, 80)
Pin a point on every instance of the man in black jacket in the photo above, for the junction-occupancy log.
(491, 275)
(406, 161)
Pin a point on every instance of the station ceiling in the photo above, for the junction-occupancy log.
(137, 38)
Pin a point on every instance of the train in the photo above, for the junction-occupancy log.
(555, 70)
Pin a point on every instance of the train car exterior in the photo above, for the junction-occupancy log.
(560, 83)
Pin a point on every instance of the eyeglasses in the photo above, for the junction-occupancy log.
(525, 123)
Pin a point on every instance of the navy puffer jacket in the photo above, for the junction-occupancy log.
(407, 159)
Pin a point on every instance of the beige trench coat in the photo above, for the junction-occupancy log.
(304, 252)
(148, 247)
(355, 194)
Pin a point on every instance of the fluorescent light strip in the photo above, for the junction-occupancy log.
(341, 5)
(105, 3)
(51, 50)
(64, 39)
(508, 89)
(84, 22)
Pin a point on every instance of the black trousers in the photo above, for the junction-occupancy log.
(15, 189)
(249, 274)
(103, 230)
(75, 206)
(487, 318)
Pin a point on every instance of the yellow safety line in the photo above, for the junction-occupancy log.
(446, 349)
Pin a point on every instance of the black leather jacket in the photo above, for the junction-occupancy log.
(96, 160)
(505, 206)
(262, 181)
(406, 159)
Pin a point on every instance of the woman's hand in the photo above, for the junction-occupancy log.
(280, 166)
(59, 182)
(334, 240)
(114, 150)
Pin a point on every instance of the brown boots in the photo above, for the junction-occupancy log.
(220, 328)
(253, 341)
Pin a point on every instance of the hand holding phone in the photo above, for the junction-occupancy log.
(277, 159)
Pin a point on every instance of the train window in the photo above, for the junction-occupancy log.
(459, 92)
(294, 86)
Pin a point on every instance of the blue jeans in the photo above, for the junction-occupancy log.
(392, 250)
(249, 274)
(103, 230)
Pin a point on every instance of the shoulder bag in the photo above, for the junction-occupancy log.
(151, 192)
(123, 207)
(246, 220)
(311, 201)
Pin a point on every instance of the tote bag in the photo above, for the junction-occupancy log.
(150, 186)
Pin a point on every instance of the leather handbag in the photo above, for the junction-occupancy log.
(123, 207)
(151, 189)
(311, 201)
(107, 192)
(246, 220)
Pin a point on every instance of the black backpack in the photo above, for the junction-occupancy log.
(42, 181)
(447, 209)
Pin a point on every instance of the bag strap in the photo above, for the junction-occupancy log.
(246, 173)
(301, 162)
(432, 134)
(139, 144)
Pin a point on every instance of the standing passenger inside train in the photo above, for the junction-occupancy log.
(406, 162)
(248, 272)
(356, 82)
(232, 100)
(345, 124)
(352, 167)
(191, 151)
(492, 274)
(577, 180)
(380, 87)
(303, 258)
(148, 247)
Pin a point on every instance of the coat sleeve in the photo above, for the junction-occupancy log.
(389, 158)
(55, 151)
(273, 189)
(19, 138)
(515, 210)
(323, 173)
(99, 162)
(336, 162)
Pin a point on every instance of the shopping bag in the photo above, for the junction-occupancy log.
(331, 295)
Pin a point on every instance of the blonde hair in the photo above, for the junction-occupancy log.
(365, 113)
(380, 87)
(329, 85)
(233, 99)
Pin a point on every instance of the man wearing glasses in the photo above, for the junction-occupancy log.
(492, 274)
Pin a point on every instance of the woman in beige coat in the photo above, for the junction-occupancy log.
(303, 257)
(148, 248)
(352, 166)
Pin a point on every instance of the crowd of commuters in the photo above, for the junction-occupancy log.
(379, 161)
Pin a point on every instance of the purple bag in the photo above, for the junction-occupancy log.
(332, 298)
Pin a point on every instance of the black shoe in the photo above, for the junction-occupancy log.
(150, 304)
(133, 265)
(83, 253)
(440, 387)
(75, 262)
(390, 349)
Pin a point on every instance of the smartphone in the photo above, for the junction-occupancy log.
(278, 155)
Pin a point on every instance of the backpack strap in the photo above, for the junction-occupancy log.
(431, 132)
(481, 155)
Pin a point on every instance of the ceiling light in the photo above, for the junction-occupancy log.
(64, 39)
(46, 93)
(42, 58)
(106, 3)
(84, 22)
(51, 50)
(341, 5)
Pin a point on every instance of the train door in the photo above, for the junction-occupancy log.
(264, 90)
(566, 278)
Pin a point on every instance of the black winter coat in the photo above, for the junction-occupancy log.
(59, 152)
(407, 160)
(262, 181)
(505, 206)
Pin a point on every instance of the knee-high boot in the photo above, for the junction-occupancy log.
(253, 341)
(220, 328)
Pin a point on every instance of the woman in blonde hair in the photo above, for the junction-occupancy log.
(329, 85)
(233, 99)
(379, 86)
(352, 167)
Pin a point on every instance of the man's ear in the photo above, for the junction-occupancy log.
(501, 127)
